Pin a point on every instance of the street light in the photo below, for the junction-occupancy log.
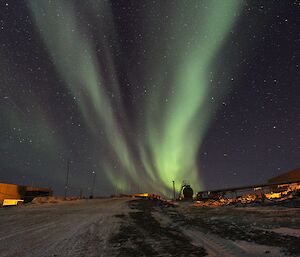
(93, 184)
(174, 197)
(67, 179)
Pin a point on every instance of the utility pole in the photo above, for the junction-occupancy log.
(93, 185)
(67, 179)
(174, 190)
(80, 193)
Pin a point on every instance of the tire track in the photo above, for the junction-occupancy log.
(215, 246)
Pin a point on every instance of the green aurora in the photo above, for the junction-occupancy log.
(161, 146)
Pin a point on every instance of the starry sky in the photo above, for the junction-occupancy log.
(141, 93)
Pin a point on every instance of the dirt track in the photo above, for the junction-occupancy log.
(68, 229)
(125, 227)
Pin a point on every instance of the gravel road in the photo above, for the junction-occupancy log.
(79, 228)
(126, 227)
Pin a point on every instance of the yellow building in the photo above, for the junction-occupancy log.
(26, 193)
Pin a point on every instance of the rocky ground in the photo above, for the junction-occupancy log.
(185, 230)
(141, 227)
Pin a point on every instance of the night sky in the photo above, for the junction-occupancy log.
(145, 92)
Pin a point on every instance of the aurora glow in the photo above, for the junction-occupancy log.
(174, 140)
(177, 113)
(145, 92)
(83, 78)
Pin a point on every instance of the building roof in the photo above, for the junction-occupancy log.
(289, 176)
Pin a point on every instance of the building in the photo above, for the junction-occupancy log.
(26, 193)
(290, 176)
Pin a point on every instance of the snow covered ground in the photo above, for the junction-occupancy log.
(131, 227)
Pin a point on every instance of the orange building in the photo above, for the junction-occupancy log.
(291, 176)
(26, 193)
